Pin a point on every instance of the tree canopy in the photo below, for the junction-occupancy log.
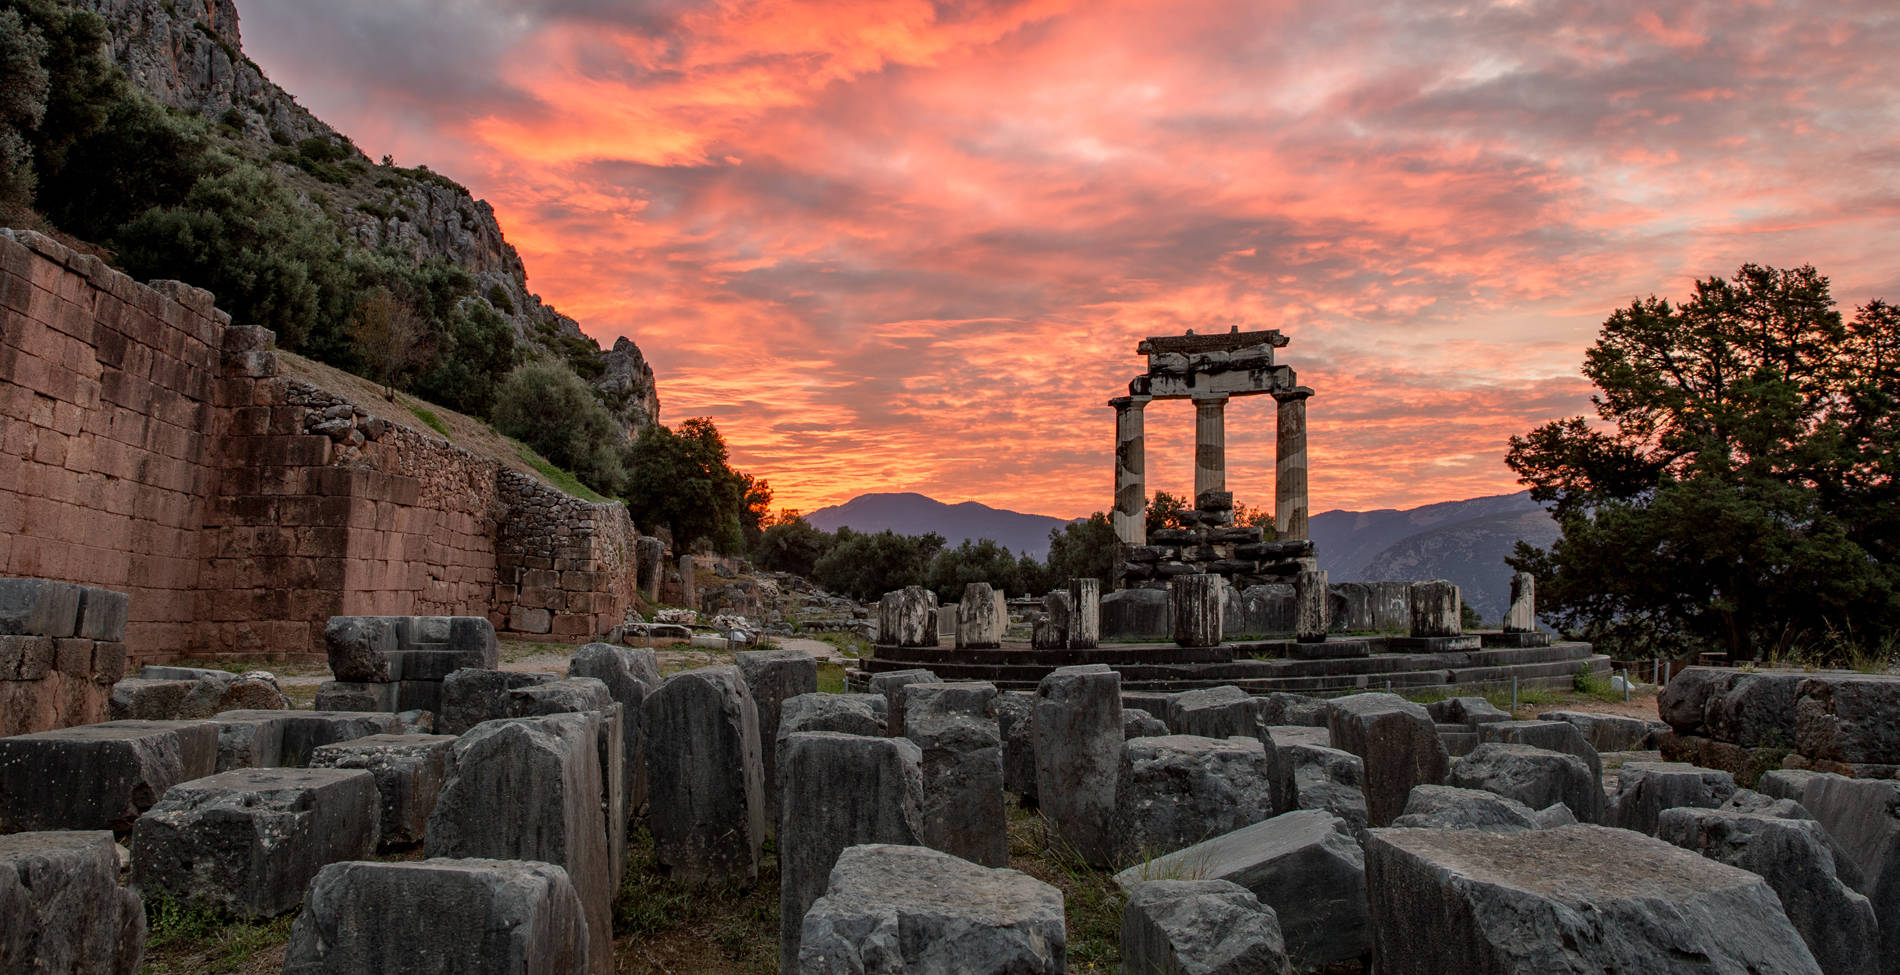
(1736, 490)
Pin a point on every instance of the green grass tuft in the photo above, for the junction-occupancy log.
(558, 477)
(428, 417)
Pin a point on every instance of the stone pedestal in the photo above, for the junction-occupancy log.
(1312, 607)
(1210, 444)
(1131, 498)
(908, 618)
(1196, 602)
(1435, 609)
(981, 617)
(1085, 613)
(1522, 616)
(1290, 505)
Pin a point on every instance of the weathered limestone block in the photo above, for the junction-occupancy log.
(1435, 609)
(1611, 732)
(705, 780)
(1051, 630)
(1794, 856)
(1450, 807)
(359, 647)
(1468, 711)
(303, 732)
(954, 726)
(471, 696)
(1848, 719)
(890, 684)
(139, 699)
(1522, 616)
(98, 776)
(910, 909)
(1281, 708)
(1556, 736)
(1195, 601)
(1085, 613)
(982, 617)
(1570, 899)
(507, 917)
(1174, 791)
(253, 691)
(1136, 614)
(1214, 712)
(1267, 609)
(1683, 703)
(338, 695)
(1015, 719)
(1077, 731)
(529, 789)
(1398, 742)
(1863, 817)
(586, 695)
(1536, 777)
(1323, 778)
(907, 617)
(409, 771)
(1753, 709)
(1304, 865)
(1312, 609)
(62, 909)
(841, 790)
(649, 560)
(40, 607)
(1137, 723)
(773, 677)
(689, 582)
(849, 714)
(1645, 789)
(1554, 815)
(247, 841)
(251, 739)
(1349, 606)
(102, 614)
(1200, 927)
(630, 675)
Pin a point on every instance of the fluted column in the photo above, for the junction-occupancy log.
(1210, 444)
(1131, 497)
(1290, 504)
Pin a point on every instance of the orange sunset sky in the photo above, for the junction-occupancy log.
(894, 245)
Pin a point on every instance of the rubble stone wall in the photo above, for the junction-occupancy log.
(151, 447)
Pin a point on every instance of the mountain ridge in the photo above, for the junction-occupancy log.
(910, 513)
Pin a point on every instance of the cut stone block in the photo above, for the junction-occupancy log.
(908, 618)
(358, 647)
(705, 781)
(1174, 791)
(1535, 777)
(586, 695)
(1200, 927)
(39, 607)
(1312, 609)
(954, 726)
(1281, 708)
(338, 695)
(138, 699)
(408, 769)
(1078, 736)
(841, 790)
(630, 675)
(1085, 613)
(98, 776)
(1015, 717)
(472, 696)
(982, 617)
(247, 841)
(1611, 732)
(1304, 865)
(1572, 899)
(1214, 712)
(529, 789)
(1863, 817)
(102, 614)
(306, 731)
(1645, 789)
(1306, 774)
(773, 677)
(509, 917)
(1196, 601)
(1449, 807)
(911, 909)
(62, 909)
(1468, 711)
(890, 685)
(1556, 736)
(1848, 719)
(1399, 744)
(1795, 857)
(1435, 609)
(1137, 723)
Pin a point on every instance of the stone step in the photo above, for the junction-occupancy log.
(1555, 675)
(1113, 655)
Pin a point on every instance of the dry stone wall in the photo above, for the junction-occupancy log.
(151, 447)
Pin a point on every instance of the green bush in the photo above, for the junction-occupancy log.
(544, 405)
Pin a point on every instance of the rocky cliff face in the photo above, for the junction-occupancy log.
(188, 55)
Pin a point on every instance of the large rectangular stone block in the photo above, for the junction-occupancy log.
(773, 677)
(1204, 926)
(62, 909)
(1078, 736)
(98, 776)
(409, 771)
(705, 789)
(1399, 743)
(39, 607)
(1175, 790)
(472, 696)
(955, 727)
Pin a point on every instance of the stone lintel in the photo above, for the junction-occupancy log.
(1245, 382)
(1230, 341)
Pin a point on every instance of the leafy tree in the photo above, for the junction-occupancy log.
(547, 407)
(681, 479)
(1737, 489)
(391, 336)
(471, 348)
(792, 545)
(1083, 549)
(865, 566)
(1164, 511)
(24, 82)
(756, 516)
(979, 561)
(1262, 517)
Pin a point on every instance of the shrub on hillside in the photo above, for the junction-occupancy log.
(544, 405)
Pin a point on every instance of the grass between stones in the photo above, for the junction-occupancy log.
(185, 940)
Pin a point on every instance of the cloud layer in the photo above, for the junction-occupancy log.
(910, 245)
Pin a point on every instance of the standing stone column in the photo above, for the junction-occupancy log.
(1077, 728)
(1435, 609)
(1085, 613)
(1522, 616)
(1312, 606)
(1131, 492)
(705, 777)
(1196, 603)
(649, 557)
(1210, 444)
(982, 617)
(689, 583)
(1290, 505)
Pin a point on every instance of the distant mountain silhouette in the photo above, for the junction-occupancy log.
(1463, 541)
(915, 514)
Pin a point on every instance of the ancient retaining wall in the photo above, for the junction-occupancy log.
(151, 447)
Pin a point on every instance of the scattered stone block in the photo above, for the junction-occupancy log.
(1645, 789)
(889, 685)
(1304, 865)
(1556, 736)
(773, 677)
(1522, 616)
(409, 771)
(1174, 791)
(1571, 899)
(306, 731)
(911, 909)
(1684, 701)
(1848, 719)
(1554, 815)
(1533, 776)
(1308, 774)
(585, 695)
(1435, 609)
(102, 614)
(1196, 601)
(1611, 732)
(840, 790)
(247, 841)
(529, 789)
(908, 618)
(1085, 613)
(706, 790)
(1214, 712)
(982, 617)
(337, 695)
(1137, 723)
(1450, 807)
(954, 726)
(1202, 927)
(1281, 708)
(1015, 718)
(139, 699)
(1468, 711)
(471, 696)
(509, 917)
(1136, 614)
(1398, 743)
(358, 647)
(62, 909)
(630, 675)
(849, 714)
(1078, 737)
(39, 607)
(1795, 857)
(1863, 817)
(98, 776)
(250, 739)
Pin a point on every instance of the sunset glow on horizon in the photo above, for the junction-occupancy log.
(896, 245)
